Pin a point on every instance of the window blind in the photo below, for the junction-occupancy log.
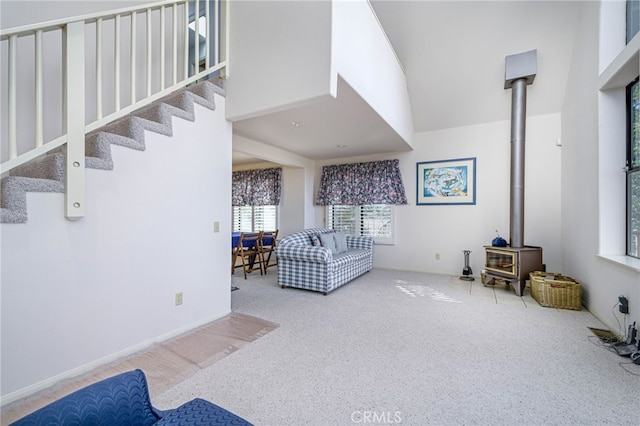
(264, 218)
(373, 220)
(255, 218)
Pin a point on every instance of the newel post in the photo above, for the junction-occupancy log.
(73, 110)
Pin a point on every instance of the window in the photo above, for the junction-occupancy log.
(360, 198)
(633, 169)
(633, 18)
(373, 220)
(255, 218)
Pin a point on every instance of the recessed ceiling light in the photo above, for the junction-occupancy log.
(297, 124)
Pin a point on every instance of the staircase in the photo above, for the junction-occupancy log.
(47, 173)
(106, 96)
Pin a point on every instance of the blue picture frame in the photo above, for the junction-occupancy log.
(446, 182)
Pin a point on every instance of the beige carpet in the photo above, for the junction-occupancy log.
(413, 348)
(165, 364)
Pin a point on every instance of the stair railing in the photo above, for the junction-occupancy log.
(68, 77)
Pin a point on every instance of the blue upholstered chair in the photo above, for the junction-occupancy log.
(124, 400)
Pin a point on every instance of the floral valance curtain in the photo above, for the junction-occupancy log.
(260, 187)
(357, 184)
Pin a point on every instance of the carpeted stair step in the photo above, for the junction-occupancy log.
(47, 173)
(201, 94)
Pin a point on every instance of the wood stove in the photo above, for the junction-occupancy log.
(515, 262)
(512, 264)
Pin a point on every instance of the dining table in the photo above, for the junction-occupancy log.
(235, 238)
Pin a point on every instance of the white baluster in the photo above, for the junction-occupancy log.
(196, 38)
(186, 41)
(133, 58)
(39, 91)
(207, 35)
(163, 34)
(175, 43)
(116, 62)
(12, 113)
(149, 65)
(224, 42)
(99, 68)
(216, 34)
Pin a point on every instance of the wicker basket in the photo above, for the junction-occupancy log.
(556, 291)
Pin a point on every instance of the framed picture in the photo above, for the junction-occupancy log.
(446, 182)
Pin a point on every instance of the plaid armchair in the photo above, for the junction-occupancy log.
(303, 265)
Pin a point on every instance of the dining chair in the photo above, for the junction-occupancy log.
(268, 247)
(234, 258)
(249, 252)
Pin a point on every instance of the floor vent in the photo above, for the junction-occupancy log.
(605, 335)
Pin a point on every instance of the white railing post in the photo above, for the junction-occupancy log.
(73, 63)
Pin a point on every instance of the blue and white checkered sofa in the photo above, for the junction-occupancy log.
(303, 265)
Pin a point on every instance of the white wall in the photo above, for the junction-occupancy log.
(293, 205)
(366, 61)
(423, 231)
(584, 214)
(288, 54)
(280, 55)
(78, 294)
(14, 14)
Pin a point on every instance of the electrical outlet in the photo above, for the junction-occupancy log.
(178, 299)
(623, 304)
(437, 256)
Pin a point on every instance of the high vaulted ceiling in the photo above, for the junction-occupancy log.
(453, 54)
